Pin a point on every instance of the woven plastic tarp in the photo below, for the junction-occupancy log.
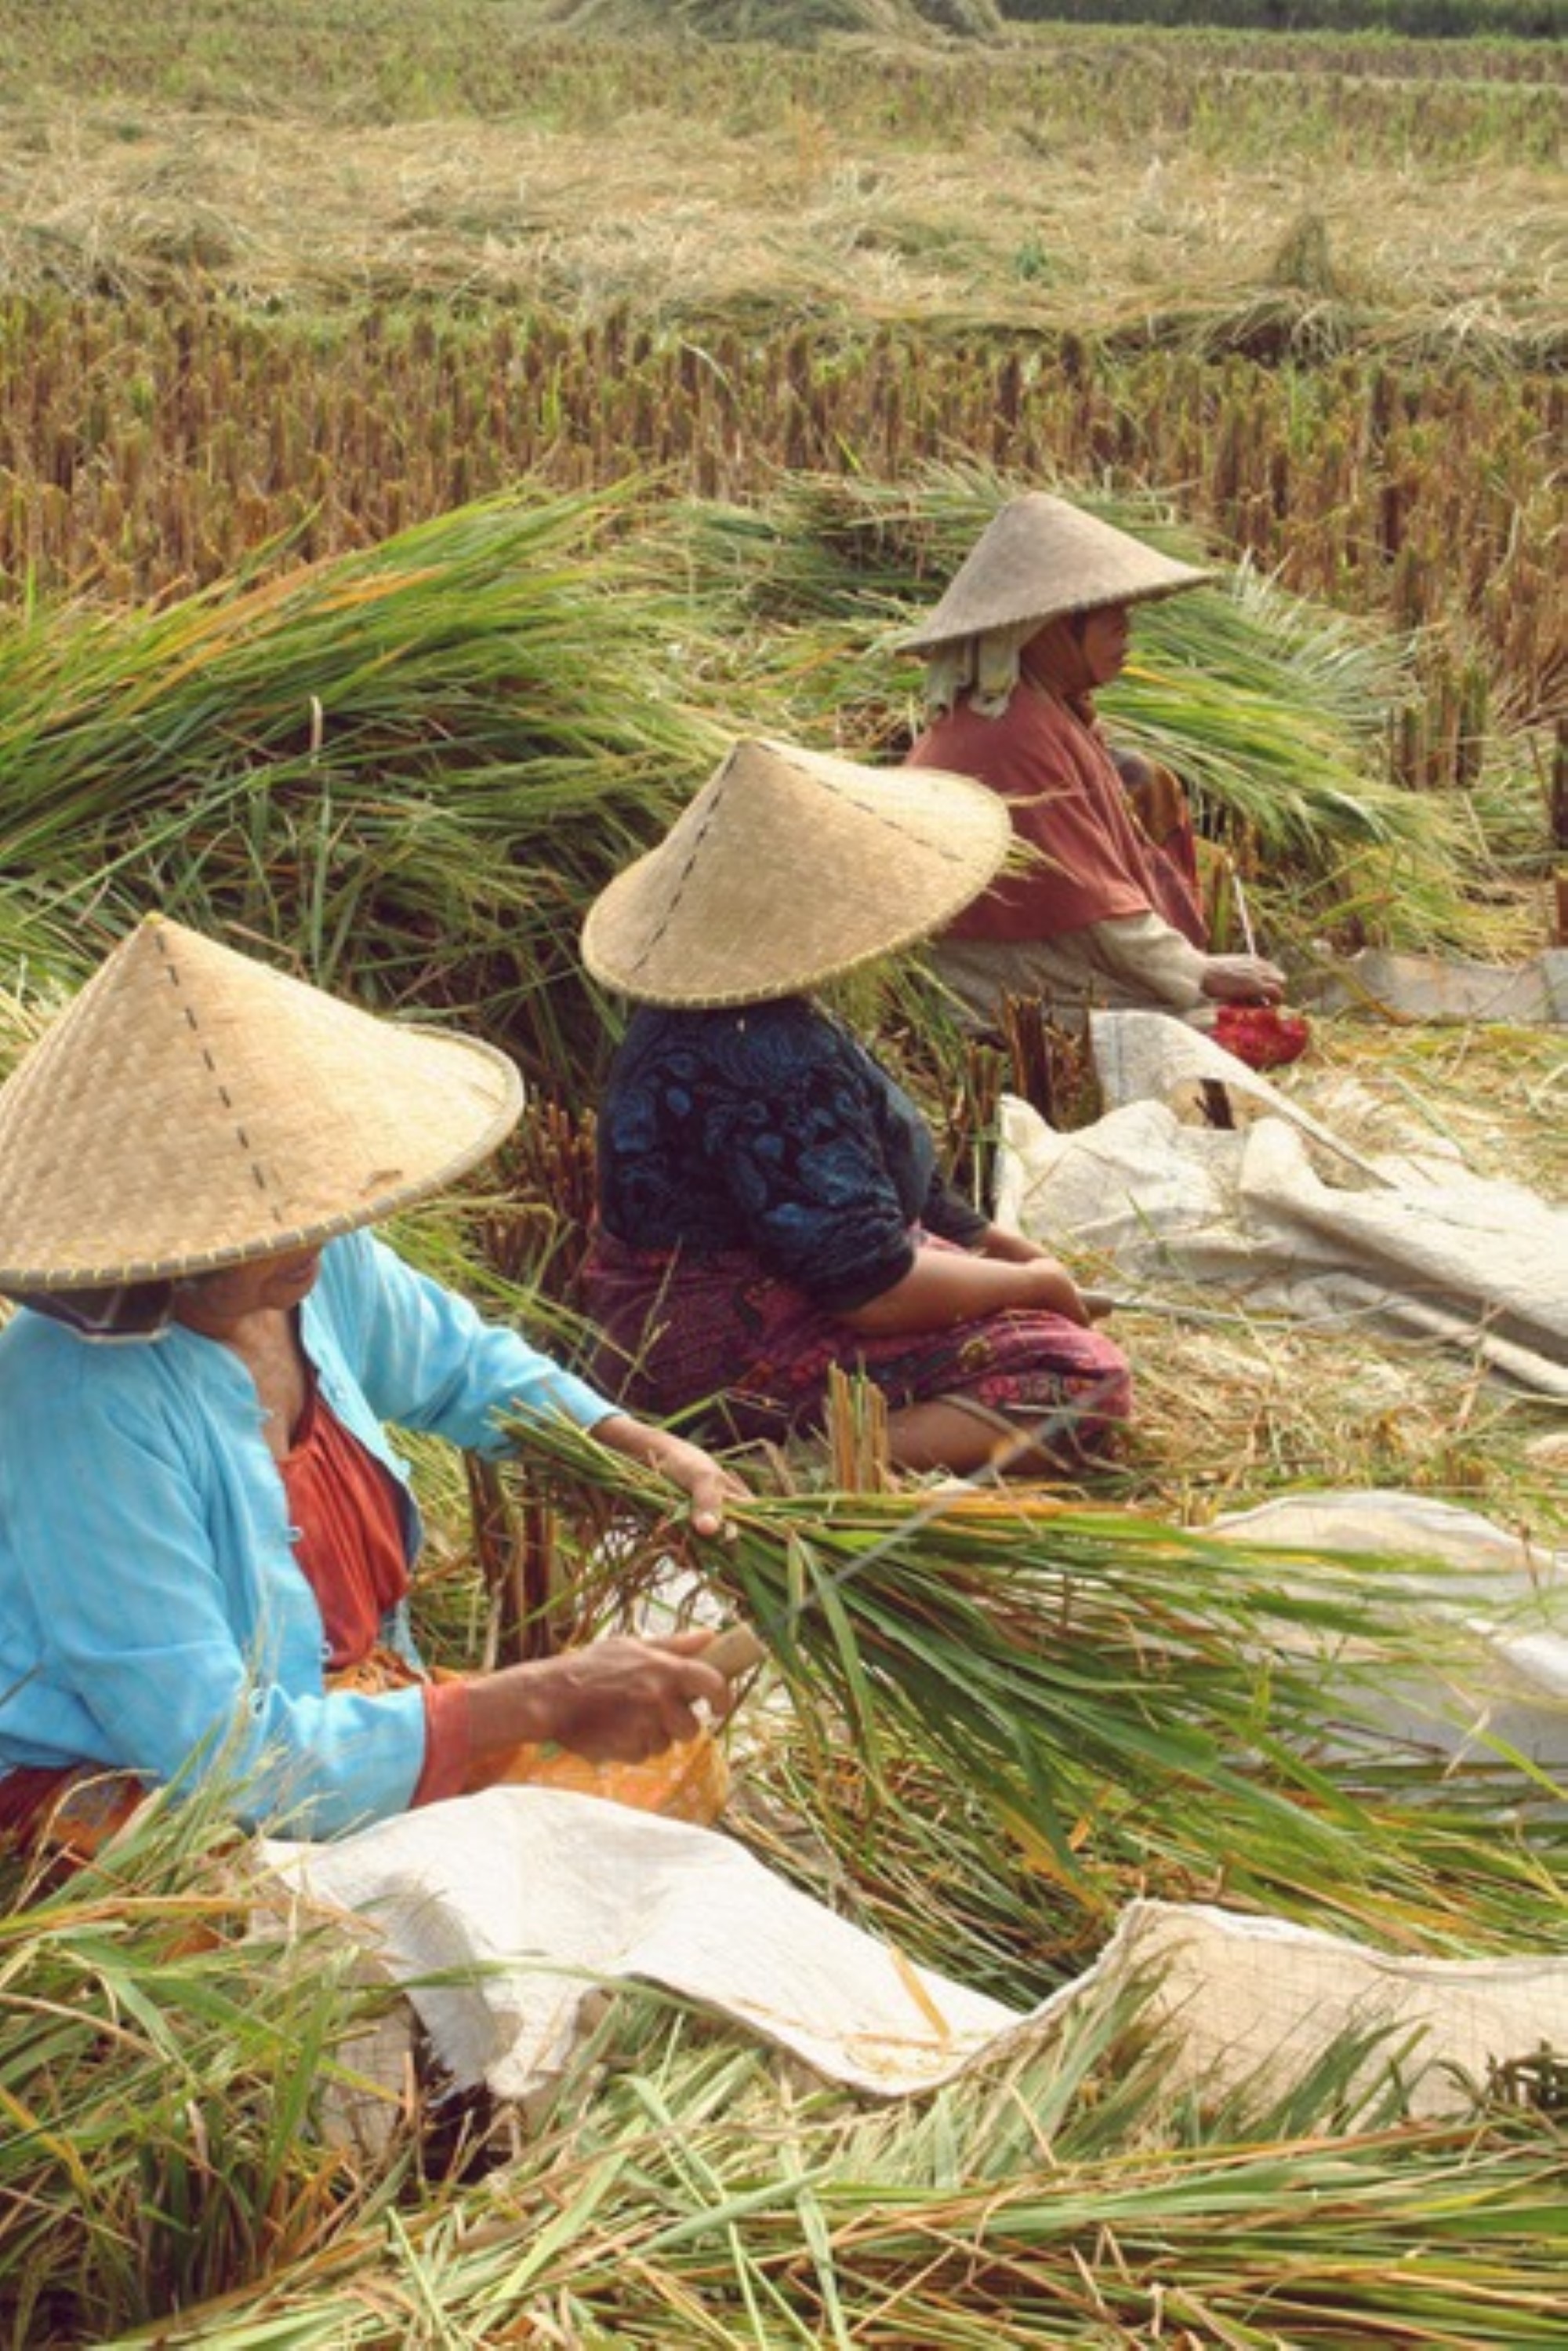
(506, 1915)
(1279, 1213)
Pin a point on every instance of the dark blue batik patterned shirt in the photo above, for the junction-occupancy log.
(769, 1129)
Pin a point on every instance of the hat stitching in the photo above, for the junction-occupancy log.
(257, 1173)
(867, 808)
(938, 848)
(685, 873)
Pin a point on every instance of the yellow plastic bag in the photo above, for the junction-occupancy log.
(688, 1781)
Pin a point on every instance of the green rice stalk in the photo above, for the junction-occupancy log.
(408, 771)
(1130, 1704)
(688, 2191)
(162, 2060)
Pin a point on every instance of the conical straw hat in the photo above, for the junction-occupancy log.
(1039, 557)
(193, 1108)
(789, 868)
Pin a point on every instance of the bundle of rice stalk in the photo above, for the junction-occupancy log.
(1404, 2237)
(408, 769)
(1132, 1706)
(163, 2061)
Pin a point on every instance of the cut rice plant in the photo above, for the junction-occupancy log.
(685, 2190)
(1132, 1705)
(169, 2180)
(406, 771)
(166, 2050)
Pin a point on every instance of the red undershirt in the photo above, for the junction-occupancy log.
(345, 1509)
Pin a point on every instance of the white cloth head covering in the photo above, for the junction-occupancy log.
(982, 669)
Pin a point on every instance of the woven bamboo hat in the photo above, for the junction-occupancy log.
(1039, 557)
(788, 868)
(193, 1108)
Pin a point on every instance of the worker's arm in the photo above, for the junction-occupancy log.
(946, 1286)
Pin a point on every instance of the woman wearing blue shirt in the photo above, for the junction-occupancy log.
(205, 1534)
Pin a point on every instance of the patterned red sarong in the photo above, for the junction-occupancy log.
(723, 1334)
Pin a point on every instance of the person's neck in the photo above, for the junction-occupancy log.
(1080, 701)
(257, 1324)
(267, 1339)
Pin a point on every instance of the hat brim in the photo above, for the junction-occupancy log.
(1033, 610)
(1038, 558)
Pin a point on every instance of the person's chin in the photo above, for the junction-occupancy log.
(293, 1287)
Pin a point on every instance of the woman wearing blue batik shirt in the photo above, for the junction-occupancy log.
(769, 1204)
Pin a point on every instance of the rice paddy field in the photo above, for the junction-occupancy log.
(428, 433)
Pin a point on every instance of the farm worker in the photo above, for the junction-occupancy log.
(206, 1535)
(1036, 619)
(769, 1205)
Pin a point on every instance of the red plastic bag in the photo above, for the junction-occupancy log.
(1260, 1034)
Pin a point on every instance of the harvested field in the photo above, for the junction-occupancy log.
(426, 436)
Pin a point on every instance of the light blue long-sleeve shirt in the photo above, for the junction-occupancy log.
(152, 1614)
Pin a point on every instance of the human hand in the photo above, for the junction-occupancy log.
(694, 1472)
(1043, 1284)
(1242, 980)
(617, 1701)
(1009, 1248)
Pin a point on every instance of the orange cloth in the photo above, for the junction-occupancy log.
(349, 1539)
(688, 1781)
(1047, 760)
